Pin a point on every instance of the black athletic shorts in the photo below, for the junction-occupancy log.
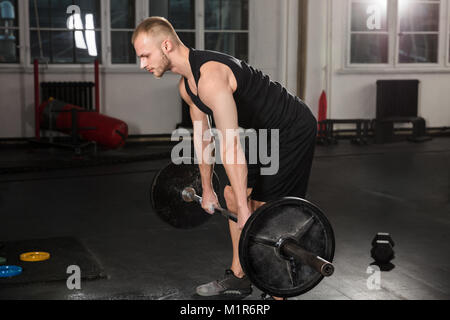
(296, 151)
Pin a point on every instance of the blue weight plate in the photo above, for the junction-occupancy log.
(9, 271)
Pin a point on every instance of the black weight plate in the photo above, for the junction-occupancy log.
(266, 268)
(166, 199)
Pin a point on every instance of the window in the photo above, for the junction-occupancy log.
(181, 13)
(65, 31)
(9, 32)
(369, 32)
(123, 19)
(226, 27)
(419, 31)
(394, 32)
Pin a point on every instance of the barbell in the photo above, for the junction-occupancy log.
(286, 246)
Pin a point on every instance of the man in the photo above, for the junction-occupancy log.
(237, 96)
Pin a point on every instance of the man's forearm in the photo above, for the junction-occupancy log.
(206, 171)
(205, 157)
(236, 169)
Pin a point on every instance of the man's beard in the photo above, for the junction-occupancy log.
(158, 73)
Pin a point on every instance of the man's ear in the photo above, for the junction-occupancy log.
(167, 45)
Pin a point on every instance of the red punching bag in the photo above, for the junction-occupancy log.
(109, 132)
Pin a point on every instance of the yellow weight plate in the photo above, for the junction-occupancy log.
(34, 256)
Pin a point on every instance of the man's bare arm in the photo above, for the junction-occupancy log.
(216, 92)
(201, 124)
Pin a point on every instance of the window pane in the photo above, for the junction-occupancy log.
(369, 48)
(188, 38)
(9, 39)
(369, 16)
(62, 46)
(41, 14)
(93, 50)
(122, 14)
(234, 44)
(53, 13)
(418, 16)
(66, 46)
(418, 48)
(122, 49)
(181, 13)
(89, 6)
(8, 13)
(34, 43)
(226, 14)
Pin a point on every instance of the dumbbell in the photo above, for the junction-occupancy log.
(382, 248)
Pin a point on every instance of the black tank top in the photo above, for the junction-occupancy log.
(261, 103)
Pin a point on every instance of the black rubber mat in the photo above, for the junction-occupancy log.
(64, 252)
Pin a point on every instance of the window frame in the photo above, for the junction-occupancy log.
(447, 36)
(18, 29)
(29, 29)
(200, 29)
(232, 31)
(197, 13)
(393, 65)
(108, 35)
(25, 63)
(22, 41)
(439, 34)
(348, 40)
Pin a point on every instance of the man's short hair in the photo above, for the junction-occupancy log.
(155, 26)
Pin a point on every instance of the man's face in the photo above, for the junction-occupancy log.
(152, 58)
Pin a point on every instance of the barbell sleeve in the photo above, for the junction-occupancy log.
(292, 249)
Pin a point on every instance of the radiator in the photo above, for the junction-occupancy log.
(397, 98)
(76, 93)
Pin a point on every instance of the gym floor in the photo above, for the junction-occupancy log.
(401, 188)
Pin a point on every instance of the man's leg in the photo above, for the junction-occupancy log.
(235, 233)
(234, 281)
